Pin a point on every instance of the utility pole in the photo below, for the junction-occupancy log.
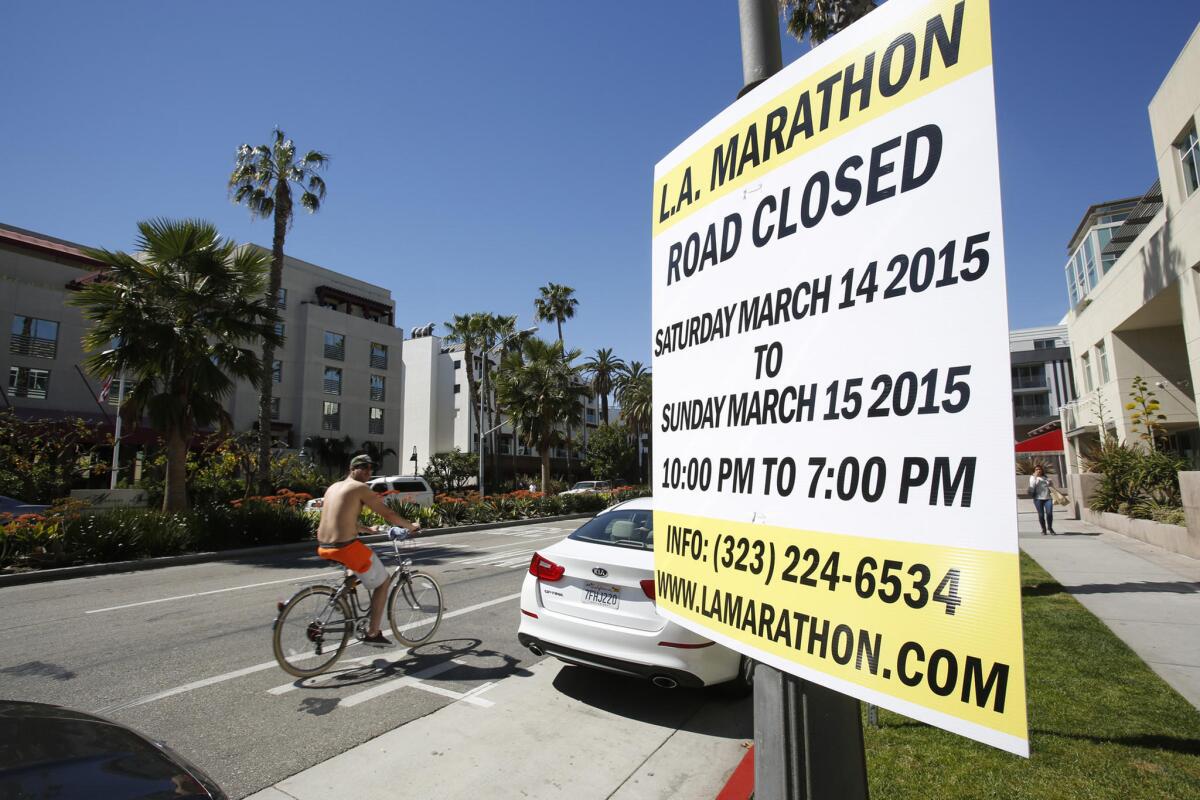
(762, 56)
(808, 740)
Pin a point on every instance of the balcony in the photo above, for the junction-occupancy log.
(32, 346)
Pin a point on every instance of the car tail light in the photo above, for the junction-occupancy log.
(648, 588)
(529, 613)
(683, 646)
(545, 569)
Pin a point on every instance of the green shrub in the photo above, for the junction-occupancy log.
(1132, 476)
(126, 534)
(250, 524)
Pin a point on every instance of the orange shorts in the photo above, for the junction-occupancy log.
(360, 559)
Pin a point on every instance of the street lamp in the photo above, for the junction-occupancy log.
(413, 459)
(483, 392)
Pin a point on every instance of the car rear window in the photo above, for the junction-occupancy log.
(621, 528)
(409, 486)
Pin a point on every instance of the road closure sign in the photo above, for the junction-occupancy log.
(833, 446)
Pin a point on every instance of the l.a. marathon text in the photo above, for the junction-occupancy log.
(927, 51)
(949, 480)
(782, 216)
(889, 278)
(969, 678)
(920, 392)
(887, 580)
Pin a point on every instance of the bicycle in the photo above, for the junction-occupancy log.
(316, 623)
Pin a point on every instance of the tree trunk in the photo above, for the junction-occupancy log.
(175, 487)
(545, 451)
(604, 408)
(473, 389)
(283, 212)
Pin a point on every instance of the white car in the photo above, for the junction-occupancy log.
(411, 488)
(589, 600)
(589, 487)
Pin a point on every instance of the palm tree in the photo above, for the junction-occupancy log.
(469, 330)
(635, 393)
(262, 179)
(377, 452)
(820, 19)
(183, 312)
(603, 369)
(555, 305)
(333, 454)
(543, 392)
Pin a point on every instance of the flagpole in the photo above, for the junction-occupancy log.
(112, 481)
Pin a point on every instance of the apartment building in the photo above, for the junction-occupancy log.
(1136, 310)
(1042, 379)
(440, 415)
(337, 375)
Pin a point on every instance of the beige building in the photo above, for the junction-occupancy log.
(439, 417)
(338, 374)
(1134, 283)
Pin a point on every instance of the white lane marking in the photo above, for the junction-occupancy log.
(287, 687)
(213, 591)
(306, 577)
(238, 673)
(416, 681)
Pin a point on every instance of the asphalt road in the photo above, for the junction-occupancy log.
(184, 654)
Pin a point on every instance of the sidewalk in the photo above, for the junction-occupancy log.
(562, 732)
(1150, 598)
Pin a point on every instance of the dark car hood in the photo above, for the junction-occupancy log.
(49, 751)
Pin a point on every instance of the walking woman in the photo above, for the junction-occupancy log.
(1039, 490)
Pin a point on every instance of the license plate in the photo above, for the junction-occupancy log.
(601, 597)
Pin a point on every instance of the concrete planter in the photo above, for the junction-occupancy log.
(1175, 538)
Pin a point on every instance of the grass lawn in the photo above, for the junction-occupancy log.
(1101, 724)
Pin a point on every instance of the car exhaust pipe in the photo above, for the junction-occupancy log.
(536, 650)
(664, 682)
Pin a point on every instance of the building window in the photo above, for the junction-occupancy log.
(457, 365)
(333, 380)
(1189, 157)
(335, 346)
(1072, 292)
(457, 388)
(279, 329)
(1045, 344)
(1029, 376)
(1089, 257)
(378, 392)
(378, 355)
(28, 382)
(281, 298)
(375, 423)
(1031, 405)
(33, 337)
(331, 416)
(1085, 366)
(274, 408)
(1102, 362)
(277, 371)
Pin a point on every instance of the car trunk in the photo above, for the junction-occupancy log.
(613, 598)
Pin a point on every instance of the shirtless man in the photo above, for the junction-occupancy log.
(337, 537)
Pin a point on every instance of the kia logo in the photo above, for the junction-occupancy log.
(599, 572)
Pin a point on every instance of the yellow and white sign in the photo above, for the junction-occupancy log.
(833, 427)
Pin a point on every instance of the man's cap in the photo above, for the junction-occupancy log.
(363, 460)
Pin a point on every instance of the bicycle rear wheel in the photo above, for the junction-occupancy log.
(311, 631)
(415, 608)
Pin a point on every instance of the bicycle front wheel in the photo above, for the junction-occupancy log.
(415, 608)
(311, 631)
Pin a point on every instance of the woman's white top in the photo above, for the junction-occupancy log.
(1039, 487)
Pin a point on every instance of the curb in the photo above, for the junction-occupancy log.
(740, 785)
(86, 570)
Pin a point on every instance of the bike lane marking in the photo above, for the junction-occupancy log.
(238, 673)
(415, 552)
(416, 682)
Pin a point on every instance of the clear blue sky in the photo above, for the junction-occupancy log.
(483, 149)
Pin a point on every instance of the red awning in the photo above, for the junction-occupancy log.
(1048, 442)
